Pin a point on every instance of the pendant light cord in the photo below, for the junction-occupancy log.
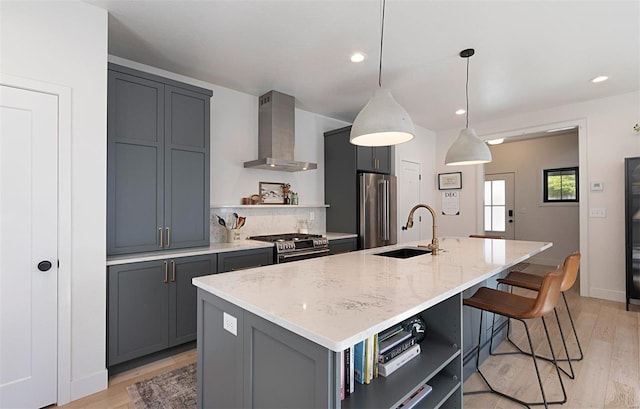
(467, 94)
(381, 42)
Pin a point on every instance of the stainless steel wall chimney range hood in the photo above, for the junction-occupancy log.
(276, 137)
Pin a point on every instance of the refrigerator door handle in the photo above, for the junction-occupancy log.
(385, 210)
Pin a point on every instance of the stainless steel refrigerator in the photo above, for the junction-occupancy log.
(632, 229)
(377, 210)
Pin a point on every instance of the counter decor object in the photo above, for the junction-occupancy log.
(273, 192)
(232, 225)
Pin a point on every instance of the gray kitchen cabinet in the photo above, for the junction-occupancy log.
(158, 151)
(376, 159)
(242, 259)
(340, 182)
(266, 365)
(343, 161)
(471, 320)
(152, 305)
(343, 245)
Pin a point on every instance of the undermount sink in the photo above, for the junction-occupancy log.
(405, 252)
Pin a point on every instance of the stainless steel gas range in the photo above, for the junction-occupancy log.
(296, 246)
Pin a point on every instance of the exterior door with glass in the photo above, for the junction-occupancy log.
(499, 205)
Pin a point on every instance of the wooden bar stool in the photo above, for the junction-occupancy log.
(520, 308)
(570, 269)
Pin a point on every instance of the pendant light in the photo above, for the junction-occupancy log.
(382, 122)
(468, 149)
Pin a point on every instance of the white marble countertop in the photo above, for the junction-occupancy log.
(196, 251)
(337, 236)
(339, 300)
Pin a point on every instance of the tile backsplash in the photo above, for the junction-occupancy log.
(263, 219)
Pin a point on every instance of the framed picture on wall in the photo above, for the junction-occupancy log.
(447, 181)
(271, 193)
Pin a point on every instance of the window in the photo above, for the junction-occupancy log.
(560, 185)
(494, 205)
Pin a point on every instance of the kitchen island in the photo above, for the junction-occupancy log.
(273, 336)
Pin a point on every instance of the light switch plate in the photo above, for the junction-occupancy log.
(230, 323)
(597, 186)
(599, 212)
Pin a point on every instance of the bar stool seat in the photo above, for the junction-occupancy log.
(570, 268)
(520, 308)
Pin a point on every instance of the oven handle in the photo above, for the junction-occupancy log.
(306, 253)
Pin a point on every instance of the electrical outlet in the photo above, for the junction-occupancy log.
(230, 323)
(312, 215)
(599, 212)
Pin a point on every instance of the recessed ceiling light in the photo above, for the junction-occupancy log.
(599, 78)
(358, 57)
(460, 112)
(497, 141)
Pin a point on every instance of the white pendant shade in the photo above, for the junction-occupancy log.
(382, 122)
(468, 149)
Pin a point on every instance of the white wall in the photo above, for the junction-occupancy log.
(65, 43)
(606, 137)
(534, 219)
(421, 149)
(234, 140)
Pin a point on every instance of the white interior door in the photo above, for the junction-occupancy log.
(28, 242)
(499, 205)
(409, 194)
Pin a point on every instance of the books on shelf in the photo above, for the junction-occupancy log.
(393, 340)
(391, 366)
(416, 397)
(396, 350)
(358, 362)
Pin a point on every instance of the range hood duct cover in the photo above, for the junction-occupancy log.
(276, 137)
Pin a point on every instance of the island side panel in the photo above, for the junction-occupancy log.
(285, 370)
(220, 354)
(264, 365)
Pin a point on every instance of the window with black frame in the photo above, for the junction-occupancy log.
(561, 185)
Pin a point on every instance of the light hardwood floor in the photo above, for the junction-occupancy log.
(608, 377)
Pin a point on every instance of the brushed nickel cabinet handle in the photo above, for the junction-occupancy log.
(173, 271)
(166, 272)
(160, 237)
(168, 237)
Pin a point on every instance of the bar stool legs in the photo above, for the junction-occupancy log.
(535, 363)
(570, 374)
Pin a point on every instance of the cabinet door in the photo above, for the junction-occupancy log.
(343, 245)
(183, 295)
(365, 159)
(137, 311)
(382, 159)
(135, 163)
(340, 181)
(239, 260)
(374, 159)
(187, 154)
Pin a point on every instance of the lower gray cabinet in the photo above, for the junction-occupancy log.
(152, 305)
(241, 259)
(343, 245)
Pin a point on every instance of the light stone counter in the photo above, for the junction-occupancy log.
(213, 248)
(339, 300)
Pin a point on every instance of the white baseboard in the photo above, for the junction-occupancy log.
(607, 294)
(88, 385)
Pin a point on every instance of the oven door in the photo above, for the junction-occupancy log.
(302, 255)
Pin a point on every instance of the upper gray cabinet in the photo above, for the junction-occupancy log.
(376, 159)
(158, 151)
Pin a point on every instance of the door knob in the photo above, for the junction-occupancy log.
(44, 265)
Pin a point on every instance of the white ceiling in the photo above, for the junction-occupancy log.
(530, 55)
